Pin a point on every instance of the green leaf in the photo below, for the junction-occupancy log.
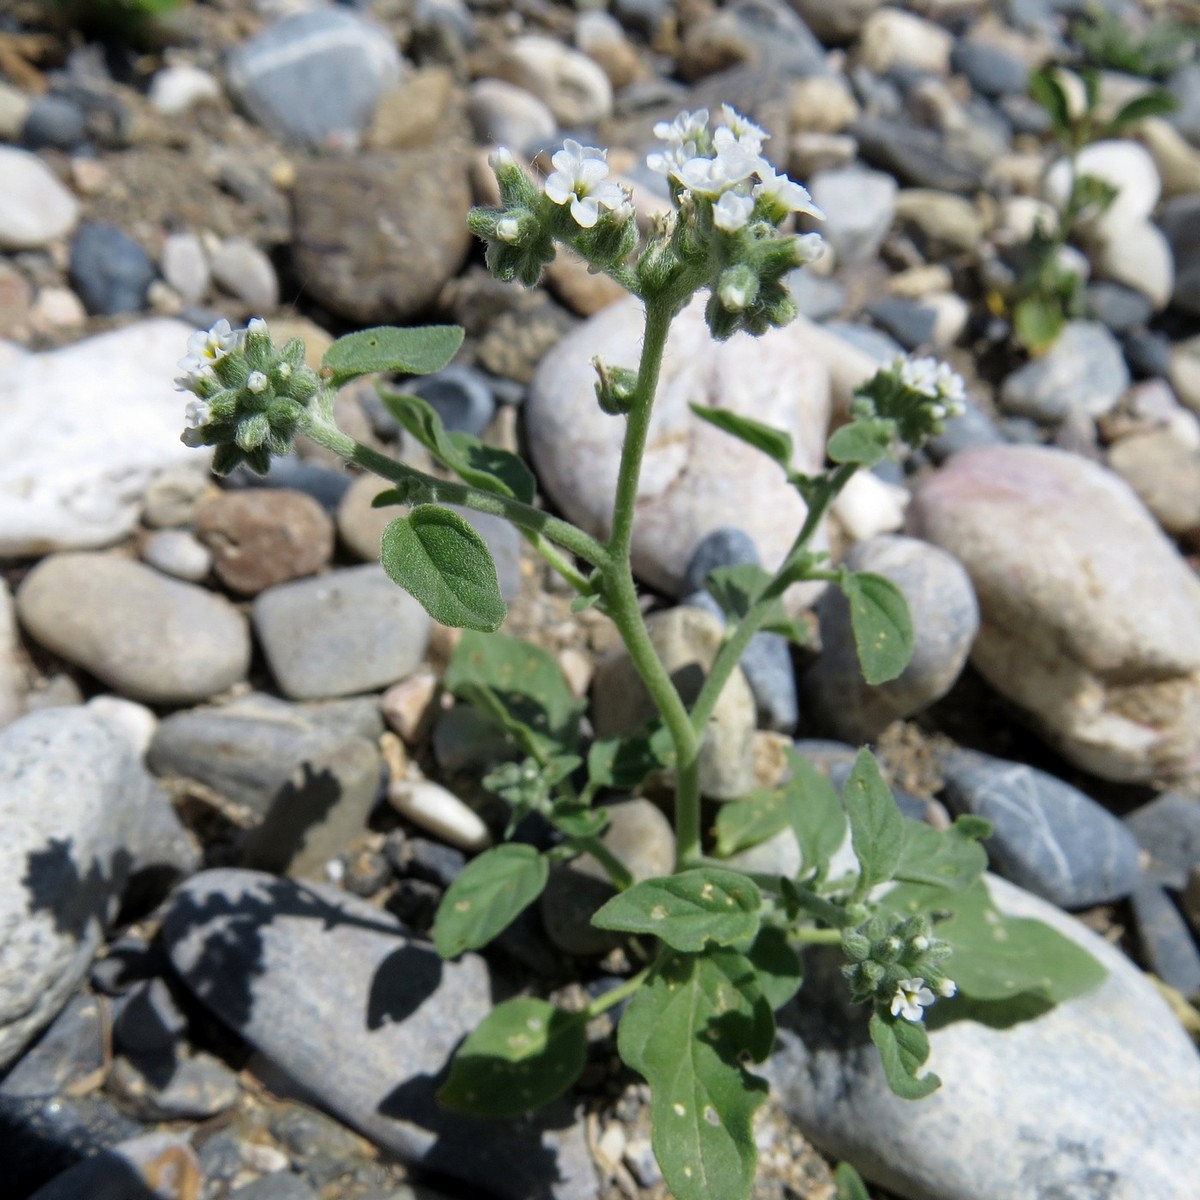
(1045, 88)
(879, 617)
(736, 589)
(849, 1183)
(817, 816)
(876, 824)
(1038, 321)
(490, 893)
(686, 1031)
(437, 557)
(998, 957)
(780, 972)
(949, 858)
(522, 689)
(743, 823)
(579, 821)
(522, 1055)
(773, 442)
(864, 441)
(387, 348)
(1152, 104)
(622, 762)
(688, 910)
(903, 1048)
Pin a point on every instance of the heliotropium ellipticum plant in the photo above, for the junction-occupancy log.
(905, 904)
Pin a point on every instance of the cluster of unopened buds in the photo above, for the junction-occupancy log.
(248, 398)
(897, 966)
(918, 394)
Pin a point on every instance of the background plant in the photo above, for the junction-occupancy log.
(906, 908)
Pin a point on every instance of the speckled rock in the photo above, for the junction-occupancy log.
(1090, 620)
(147, 636)
(694, 475)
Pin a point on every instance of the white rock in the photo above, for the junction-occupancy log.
(57, 308)
(12, 675)
(868, 506)
(134, 722)
(1125, 165)
(184, 266)
(1177, 160)
(83, 430)
(35, 209)
(572, 86)
(859, 207)
(1185, 372)
(175, 90)
(177, 552)
(953, 313)
(694, 475)
(440, 812)
(1019, 216)
(892, 36)
(14, 108)
(244, 271)
(1139, 256)
(507, 115)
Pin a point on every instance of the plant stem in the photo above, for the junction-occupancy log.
(825, 937)
(613, 998)
(615, 868)
(430, 488)
(620, 593)
(554, 558)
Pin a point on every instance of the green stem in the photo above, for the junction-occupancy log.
(613, 866)
(819, 907)
(553, 557)
(824, 937)
(612, 999)
(524, 516)
(620, 592)
(734, 646)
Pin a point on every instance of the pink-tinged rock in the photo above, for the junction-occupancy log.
(1090, 619)
(695, 478)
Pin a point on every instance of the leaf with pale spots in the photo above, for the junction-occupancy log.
(876, 824)
(522, 1055)
(688, 1031)
(879, 617)
(416, 351)
(489, 894)
(687, 910)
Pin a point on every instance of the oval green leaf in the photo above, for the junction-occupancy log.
(876, 824)
(879, 617)
(492, 891)
(387, 348)
(775, 443)
(446, 566)
(522, 1055)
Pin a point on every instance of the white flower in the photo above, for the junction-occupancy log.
(784, 194)
(807, 248)
(911, 999)
(197, 413)
(749, 135)
(731, 212)
(935, 380)
(919, 374)
(256, 325)
(508, 229)
(501, 159)
(712, 176)
(686, 127)
(256, 382)
(206, 347)
(952, 390)
(947, 988)
(580, 178)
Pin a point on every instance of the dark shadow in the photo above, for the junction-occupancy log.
(73, 897)
(402, 983)
(295, 809)
(104, 1176)
(995, 1014)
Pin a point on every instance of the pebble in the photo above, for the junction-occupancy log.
(242, 270)
(919, 158)
(360, 526)
(315, 77)
(177, 89)
(148, 637)
(908, 321)
(945, 619)
(54, 121)
(352, 630)
(239, 941)
(1168, 830)
(1126, 165)
(1165, 474)
(460, 395)
(1048, 837)
(1084, 371)
(261, 537)
(281, 1186)
(1118, 307)
(377, 236)
(836, 24)
(324, 484)
(72, 803)
(177, 552)
(1180, 222)
(1178, 163)
(891, 37)
(503, 114)
(439, 811)
(132, 721)
(821, 104)
(1074, 580)
(14, 108)
(1029, 1088)
(1139, 256)
(694, 475)
(642, 838)
(109, 270)
(992, 70)
(1166, 943)
(571, 85)
(859, 207)
(35, 209)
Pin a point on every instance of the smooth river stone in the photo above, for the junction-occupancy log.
(1089, 617)
(694, 476)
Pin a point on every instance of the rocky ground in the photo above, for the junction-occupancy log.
(232, 790)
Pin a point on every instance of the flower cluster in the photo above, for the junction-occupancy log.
(896, 964)
(918, 394)
(248, 398)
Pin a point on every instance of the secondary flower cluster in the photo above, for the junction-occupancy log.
(248, 398)
(919, 394)
(896, 964)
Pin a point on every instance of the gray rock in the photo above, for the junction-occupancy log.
(908, 321)
(882, 347)
(242, 270)
(992, 70)
(350, 631)
(54, 121)
(1180, 222)
(190, 1088)
(276, 1187)
(465, 740)
(315, 77)
(1168, 829)
(460, 395)
(726, 546)
(1166, 943)
(945, 617)
(71, 798)
(1148, 353)
(72, 1048)
(369, 1034)
(325, 486)
(1084, 370)
(816, 297)
(1184, 85)
(1048, 837)
(917, 157)
(147, 636)
(35, 208)
(859, 207)
(1119, 308)
(1016, 1117)
(967, 432)
(109, 270)
(134, 1168)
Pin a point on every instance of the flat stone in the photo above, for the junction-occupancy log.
(891, 37)
(352, 630)
(1090, 620)
(1048, 837)
(1167, 946)
(504, 114)
(164, 1162)
(694, 476)
(76, 482)
(378, 235)
(1016, 1117)
(35, 209)
(147, 636)
(859, 207)
(1165, 474)
(370, 1034)
(918, 158)
(244, 271)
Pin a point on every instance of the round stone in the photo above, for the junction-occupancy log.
(35, 209)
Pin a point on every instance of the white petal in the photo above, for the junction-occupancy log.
(560, 187)
(585, 212)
